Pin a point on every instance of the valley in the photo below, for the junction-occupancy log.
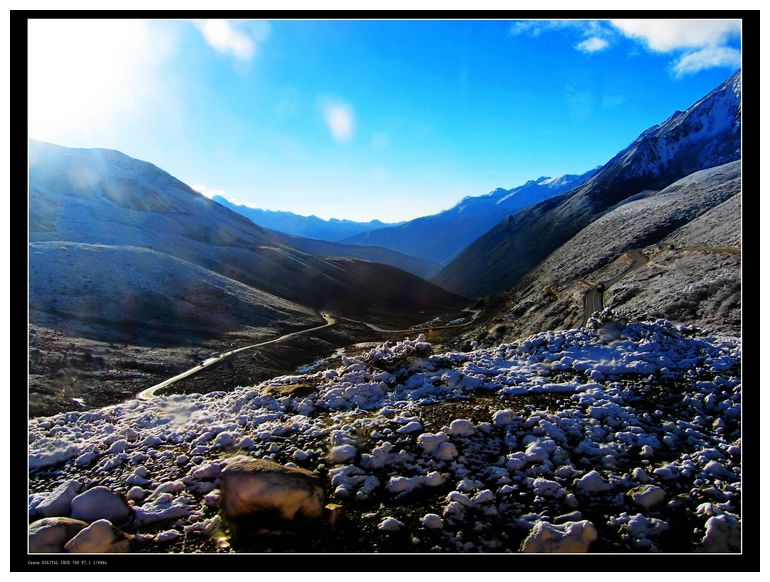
(555, 367)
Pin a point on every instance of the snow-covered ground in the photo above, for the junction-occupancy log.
(613, 437)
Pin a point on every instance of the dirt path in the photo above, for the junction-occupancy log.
(475, 313)
(149, 393)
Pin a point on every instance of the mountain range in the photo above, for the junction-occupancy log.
(440, 237)
(334, 229)
(319, 239)
(705, 135)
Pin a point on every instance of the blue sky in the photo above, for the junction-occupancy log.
(363, 120)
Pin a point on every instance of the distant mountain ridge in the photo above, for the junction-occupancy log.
(705, 135)
(327, 248)
(442, 236)
(333, 230)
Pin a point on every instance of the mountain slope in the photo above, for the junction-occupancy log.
(313, 227)
(102, 197)
(706, 135)
(176, 297)
(655, 255)
(441, 236)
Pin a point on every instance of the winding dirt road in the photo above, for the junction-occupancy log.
(330, 320)
(149, 393)
(377, 328)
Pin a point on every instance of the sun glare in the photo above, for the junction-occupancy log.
(89, 74)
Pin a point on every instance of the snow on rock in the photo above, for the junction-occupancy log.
(430, 442)
(570, 537)
(410, 427)
(250, 485)
(461, 427)
(100, 503)
(342, 453)
(49, 535)
(592, 482)
(57, 503)
(723, 534)
(432, 521)
(100, 537)
(390, 525)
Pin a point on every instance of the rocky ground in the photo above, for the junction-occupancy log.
(614, 437)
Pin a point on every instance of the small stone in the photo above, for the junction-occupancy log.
(647, 496)
(342, 453)
(390, 525)
(432, 521)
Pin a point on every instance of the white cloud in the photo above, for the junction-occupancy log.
(240, 41)
(670, 35)
(699, 44)
(538, 27)
(595, 33)
(592, 45)
(339, 119)
(206, 191)
(707, 58)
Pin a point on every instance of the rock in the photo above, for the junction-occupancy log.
(101, 537)
(446, 451)
(57, 503)
(136, 493)
(461, 427)
(503, 417)
(647, 495)
(251, 485)
(167, 536)
(49, 535)
(100, 503)
(410, 427)
(723, 534)
(390, 524)
(430, 442)
(342, 453)
(592, 482)
(432, 521)
(571, 537)
(334, 512)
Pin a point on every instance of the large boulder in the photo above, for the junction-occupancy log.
(100, 503)
(57, 502)
(570, 537)
(251, 485)
(100, 537)
(49, 535)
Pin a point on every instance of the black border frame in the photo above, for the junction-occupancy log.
(746, 561)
